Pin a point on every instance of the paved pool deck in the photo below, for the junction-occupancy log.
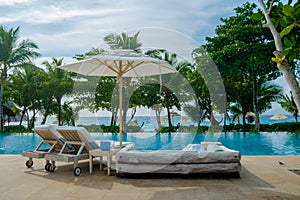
(262, 177)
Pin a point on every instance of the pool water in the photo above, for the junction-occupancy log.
(247, 143)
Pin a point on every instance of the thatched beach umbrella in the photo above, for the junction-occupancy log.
(278, 117)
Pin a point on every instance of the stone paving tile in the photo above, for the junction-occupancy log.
(262, 177)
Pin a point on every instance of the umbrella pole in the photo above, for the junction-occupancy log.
(121, 108)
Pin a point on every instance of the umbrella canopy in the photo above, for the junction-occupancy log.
(120, 63)
(278, 117)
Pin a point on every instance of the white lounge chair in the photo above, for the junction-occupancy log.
(80, 140)
(50, 137)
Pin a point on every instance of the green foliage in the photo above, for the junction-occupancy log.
(202, 129)
(243, 127)
(132, 128)
(266, 94)
(191, 129)
(110, 129)
(101, 129)
(167, 129)
(202, 106)
(286, 19)
(16, 129)
(26, 91)
(59, 83)
(166, 97)
(293, 127)
(68, 116)
(240, 50)
(228, 128)
(13, 54)
(123, 41)
(289, 105)
(104, 93)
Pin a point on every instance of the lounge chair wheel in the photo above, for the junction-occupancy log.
(77, 171)
(47, 167)
(51, 167)
(29, 163)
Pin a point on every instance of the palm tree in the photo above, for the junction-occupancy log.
(26, 91)
(123, 41)
(266, 94)
(168, 100)
(289, 105)
(12, 54)
(60, 81)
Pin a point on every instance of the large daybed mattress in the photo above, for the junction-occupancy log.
(200, 158)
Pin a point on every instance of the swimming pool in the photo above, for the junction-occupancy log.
(247, 143)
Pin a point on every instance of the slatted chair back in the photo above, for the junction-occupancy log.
(50, 136)
(74, 138)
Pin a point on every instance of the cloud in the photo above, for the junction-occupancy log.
(70, 27)
(6, 20)
(44, 14)
(13, 2)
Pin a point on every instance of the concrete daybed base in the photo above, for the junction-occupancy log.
(216, 160)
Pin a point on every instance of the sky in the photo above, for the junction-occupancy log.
(64, 28)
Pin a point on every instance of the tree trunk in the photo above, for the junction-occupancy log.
(47, 112)
(213, 120)
(27, 116)
(114, 116)
(59, 111)
(283, 64)
(167, 106)
(132, 114)
(158, 118)
(157, 109)
(169, 117)
(32, 120)
(126, 99)
(3, 78)
(255, 110)
(22, 116)
(112, 120)
(290, 78)
(238, 120)
(244, 118)
(45, 117)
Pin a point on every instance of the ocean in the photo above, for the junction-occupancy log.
(149, 123)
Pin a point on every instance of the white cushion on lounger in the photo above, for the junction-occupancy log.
(194, 147)
(214, 148)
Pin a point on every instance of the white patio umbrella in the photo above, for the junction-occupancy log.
(120, 63)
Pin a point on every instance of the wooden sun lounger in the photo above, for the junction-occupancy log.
(80, 140)
(49, 136)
